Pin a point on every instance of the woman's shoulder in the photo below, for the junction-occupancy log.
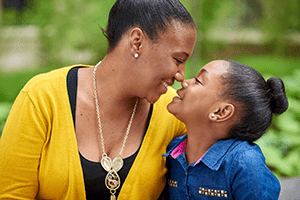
(54, 79)
(166, 98)
(162, 120)
(175, 142)
(160, 106)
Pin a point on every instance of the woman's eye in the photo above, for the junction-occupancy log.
(179, 61)
(197, 80)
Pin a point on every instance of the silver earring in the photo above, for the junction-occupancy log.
(212, 115)
(136, 56)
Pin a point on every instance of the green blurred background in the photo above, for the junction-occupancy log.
(37, 36)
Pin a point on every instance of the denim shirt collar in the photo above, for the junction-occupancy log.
(212, 158)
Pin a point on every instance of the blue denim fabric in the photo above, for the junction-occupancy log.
(230, 169)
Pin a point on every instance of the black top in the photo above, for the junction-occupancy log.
(93, 172)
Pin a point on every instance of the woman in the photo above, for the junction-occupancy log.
(99, 132)
(226, 107)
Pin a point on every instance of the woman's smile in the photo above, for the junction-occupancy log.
(165, 84)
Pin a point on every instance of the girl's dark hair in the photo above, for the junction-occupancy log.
(257, 100)
(152, 16)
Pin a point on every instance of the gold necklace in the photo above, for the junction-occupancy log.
(112, 179)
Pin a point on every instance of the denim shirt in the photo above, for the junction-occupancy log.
(230, 169)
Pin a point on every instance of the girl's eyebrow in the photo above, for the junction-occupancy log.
(202, 71)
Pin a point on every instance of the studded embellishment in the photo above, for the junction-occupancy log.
(172, 183)
(212, 192)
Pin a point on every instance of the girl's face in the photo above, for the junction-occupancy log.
(164, 61)
(198, 96)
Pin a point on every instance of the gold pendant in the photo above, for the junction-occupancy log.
(112, 180)
(112, 197)
(116, 164)
(106, 163)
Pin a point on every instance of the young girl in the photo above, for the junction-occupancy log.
(226, 107)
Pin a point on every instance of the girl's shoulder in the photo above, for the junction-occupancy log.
(248, 152)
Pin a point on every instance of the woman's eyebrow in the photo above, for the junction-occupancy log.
(182, 53)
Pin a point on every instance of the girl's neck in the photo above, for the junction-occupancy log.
(197, 145)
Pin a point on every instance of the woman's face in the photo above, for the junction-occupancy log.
(164, 61)
(199, 95)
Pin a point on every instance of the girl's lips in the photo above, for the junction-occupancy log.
(178, 95)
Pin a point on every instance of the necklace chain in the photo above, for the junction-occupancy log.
(112, 180)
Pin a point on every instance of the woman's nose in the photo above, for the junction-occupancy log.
(180, 75)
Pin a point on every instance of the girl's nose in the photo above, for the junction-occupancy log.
(184, 84)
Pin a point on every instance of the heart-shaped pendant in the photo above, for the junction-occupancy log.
(117, 163)
(106, 163)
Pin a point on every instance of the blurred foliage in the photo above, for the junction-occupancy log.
(65, 27)
(71, 26)
(4, 110)
(281, 144)
(275, 19)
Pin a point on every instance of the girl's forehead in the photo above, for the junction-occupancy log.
(217, 66)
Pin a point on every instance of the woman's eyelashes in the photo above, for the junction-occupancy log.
(197, 80)
(178, 61)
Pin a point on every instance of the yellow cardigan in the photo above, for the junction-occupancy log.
(39, 156)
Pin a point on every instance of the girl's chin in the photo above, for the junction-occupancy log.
(171, 108)
(168, 108)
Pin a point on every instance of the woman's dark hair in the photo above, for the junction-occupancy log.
(152, 16)
(257, 100)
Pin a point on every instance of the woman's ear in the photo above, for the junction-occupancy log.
(224, 112)
(136, 37)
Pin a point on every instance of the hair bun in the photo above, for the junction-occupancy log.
(279, 102)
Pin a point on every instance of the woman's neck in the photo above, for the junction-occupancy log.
(114, 96)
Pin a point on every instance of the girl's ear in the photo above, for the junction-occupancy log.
(136, 39)
(224, 112)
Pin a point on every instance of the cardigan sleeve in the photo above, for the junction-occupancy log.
(20, 149)
(38, 150)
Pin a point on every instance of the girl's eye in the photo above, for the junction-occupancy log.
(197, 80)
(179, 61)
